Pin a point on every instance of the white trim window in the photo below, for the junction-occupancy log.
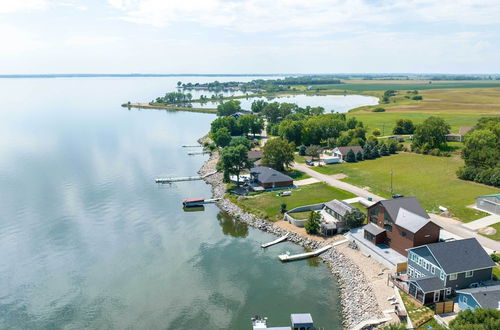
(410, 271)
(442, 276)
(453, 277)
(464, 299)
(433, 270)
(470, 273)
(448, 291)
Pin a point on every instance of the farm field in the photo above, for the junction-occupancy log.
(431, 179)
(381, 85)
(267, 204)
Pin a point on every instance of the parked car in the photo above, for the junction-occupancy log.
(309, 162)
(397, 196)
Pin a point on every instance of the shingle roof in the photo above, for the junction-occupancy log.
(460, 255)
(464, 129)
(410, 221)
(269, 175)
(301, 319)
(411, 204)
(486, 296)
(345, 150)
(430, 283)
(255, 154)
(373, 229)
(340, 207)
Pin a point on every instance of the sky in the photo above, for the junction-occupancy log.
(249, 36)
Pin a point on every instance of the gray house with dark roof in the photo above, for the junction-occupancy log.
(436, 270)
(269, 178)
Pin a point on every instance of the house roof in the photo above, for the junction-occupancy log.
(486, 296)
(410, 221)
(460, 255)
(255, 154)
(345, 150)
(301, 319)
(453, 134)
(373, 229)
(340, 207)
(428, 283)
(464, 129)
(411, 204)
(492, 195)
(268, 175)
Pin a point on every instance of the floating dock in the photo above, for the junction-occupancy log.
(198, 153)
(193, 146)
(183, 178)
(197, 202)
(276, 241)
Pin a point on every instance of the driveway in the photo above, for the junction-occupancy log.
(453, 226)
(483, 222)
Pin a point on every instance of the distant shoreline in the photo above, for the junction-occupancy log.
(135, 75)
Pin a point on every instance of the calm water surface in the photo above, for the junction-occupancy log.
(87, 240)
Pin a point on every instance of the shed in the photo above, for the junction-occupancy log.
(374, 233)
(489, 203)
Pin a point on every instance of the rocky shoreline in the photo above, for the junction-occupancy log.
(357, 298)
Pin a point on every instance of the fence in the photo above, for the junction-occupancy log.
(444, 307)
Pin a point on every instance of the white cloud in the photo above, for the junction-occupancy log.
(91, 40)
(15, 40)
(11, 6)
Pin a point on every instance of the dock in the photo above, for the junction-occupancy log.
(198, 153)
(192, 146)
(276, 241)
(183, 178)
(315, 253)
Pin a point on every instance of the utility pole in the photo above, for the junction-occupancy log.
(383, 129)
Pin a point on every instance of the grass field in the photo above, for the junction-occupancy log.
(297, 175)
(496, 236)
(268, 205)
(382, 85)
(431, 179)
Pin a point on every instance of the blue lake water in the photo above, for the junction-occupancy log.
(88, 240)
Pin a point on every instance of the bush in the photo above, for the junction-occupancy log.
(354, 219)
(350, 157)
(359, 156)
(495, 257)
(384, 151)
(379, 109)
(376, 132)
(435, 152)
(489, 176)
(417, 98)
(477, 318)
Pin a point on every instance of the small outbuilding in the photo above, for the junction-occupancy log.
(489, 203)
(341, 152)
(302, 321)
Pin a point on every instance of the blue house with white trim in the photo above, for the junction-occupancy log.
(485, 297)
(437, 270)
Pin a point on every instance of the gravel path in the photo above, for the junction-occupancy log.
(357, 297)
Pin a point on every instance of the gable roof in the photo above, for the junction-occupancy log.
(266, 174)
(460, 255)
(492, 195)
(410, 221)
(411, 204)
(486, 296)
(340, 207)
(373, 229)
(345, 150)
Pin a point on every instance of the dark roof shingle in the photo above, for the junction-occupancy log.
(411, 204)
(268, 175)
(486, 296)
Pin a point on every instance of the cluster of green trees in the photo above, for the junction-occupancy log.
(175, 98)
(386, 97)
(481, 153)
(234, 159)
(223, 128)
(371, 150)
(353, 220)
(430, 136)
(404, 126)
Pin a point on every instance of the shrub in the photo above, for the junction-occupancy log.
(495, 257)
(350, 157)
(384, 151)
(302, 150)
(379, 109)
(417, 97)
(355, 219)
(359, 156)
(376, 132)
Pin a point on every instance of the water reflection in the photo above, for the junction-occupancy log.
(231, 226)
(194, 209)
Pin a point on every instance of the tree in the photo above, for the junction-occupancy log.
(393, 146)
(350, 157)
(258, 105)
(228, 108)
(278, 154)
(228, 122)
(367, 152)
(291, 130)
(376, 132)
(257, 125)
(375, 153)
(359, 156)
(481, 149)
(313, 151)
(179, 84)
(344, 140)
(384, 151)
(222, 137)
(354, 219)
(431, 133)
(241, 141)
(352, 122)
(272, 112)
(245, 123)
(476, 319)
(404, 126)
(302, 150)
(233, 160)
(312, 224)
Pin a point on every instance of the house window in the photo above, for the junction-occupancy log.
(453, 277)
(388, 227)
(410, 271)
(442, 276)
(464, 299)
(403, 233)
(428, 266)
(433, 270)
(469, 273)
(448, 291)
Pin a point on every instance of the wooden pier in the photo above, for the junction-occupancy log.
(193, 146)
(183, 178)
(198, 153)
(315, 253)
(276, 241)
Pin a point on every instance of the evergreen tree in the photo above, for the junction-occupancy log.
(312, 224)
(392, 147)
(384, 151)
(367, 152)
(350, 157)
(359, 156)
(375, 153)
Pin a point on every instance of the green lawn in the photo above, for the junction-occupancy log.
(299, 159)
(496, 236)
(431, 179)
(360, 207)
(496, 272)
(268, 205)
(417, 313)
(297, 175)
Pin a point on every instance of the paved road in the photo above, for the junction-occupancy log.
(453, 226)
